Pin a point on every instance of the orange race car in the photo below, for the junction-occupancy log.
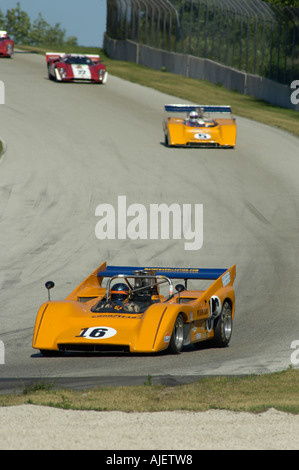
(131, 314)
(197, 125)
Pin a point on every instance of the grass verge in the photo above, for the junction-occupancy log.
(252, 393)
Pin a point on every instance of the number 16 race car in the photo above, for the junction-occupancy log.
(75, 67)
(187, 125)
(130, 313)
(6, 45)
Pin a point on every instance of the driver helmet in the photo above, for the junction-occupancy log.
(119, 292)
(193, 115)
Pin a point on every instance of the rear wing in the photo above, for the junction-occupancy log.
(159, 275)
(199, 108)
(94, 280)
(171, 273)
(94, 57)
(57, 55)
(54, 55)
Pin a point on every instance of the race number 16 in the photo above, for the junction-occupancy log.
(97, 332)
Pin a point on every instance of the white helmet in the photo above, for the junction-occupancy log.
(193, 115)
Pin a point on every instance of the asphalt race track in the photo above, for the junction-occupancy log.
(71, 147)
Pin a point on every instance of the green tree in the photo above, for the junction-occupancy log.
(37, 31)
(284, 3)
(2, 21)
(71, 41)
(18, 24)
(54, 35)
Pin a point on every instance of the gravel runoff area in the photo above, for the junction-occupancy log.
(31, 427)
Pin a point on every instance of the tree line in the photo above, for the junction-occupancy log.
(18, 25)
(285, 3)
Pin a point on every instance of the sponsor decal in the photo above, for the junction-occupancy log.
(167, 337)
(202, 311)
(113, 316)
(226, 279)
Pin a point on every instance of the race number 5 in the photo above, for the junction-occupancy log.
(97, 332)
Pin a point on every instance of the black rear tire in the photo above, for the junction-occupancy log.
(223, 326)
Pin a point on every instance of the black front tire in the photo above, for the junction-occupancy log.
(177, 337)
(50, 77)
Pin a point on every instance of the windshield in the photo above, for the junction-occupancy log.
(80, 60)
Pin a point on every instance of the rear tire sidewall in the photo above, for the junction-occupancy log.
(223, 326)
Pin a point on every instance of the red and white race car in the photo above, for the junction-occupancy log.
(76, 67)
(6, 45)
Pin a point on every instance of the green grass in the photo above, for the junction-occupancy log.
(251, 393)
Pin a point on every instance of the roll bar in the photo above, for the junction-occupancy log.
(160, 279)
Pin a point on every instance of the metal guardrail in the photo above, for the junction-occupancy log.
(249, 35)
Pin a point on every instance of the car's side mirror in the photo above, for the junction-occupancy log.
(49, 285)
(180, 288)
